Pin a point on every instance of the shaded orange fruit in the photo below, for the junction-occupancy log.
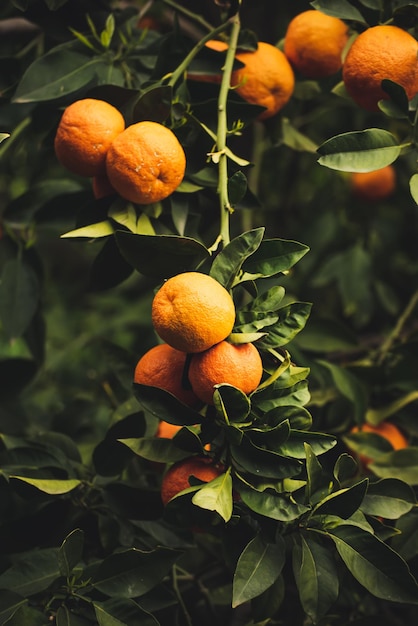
(389, 431)
(238, 365)
(192, 311)
(84, 135)
(164, 367)
(145, 163)
(176, 478)
(314, 43)
(380, 52)
(101, 186)
(266, 80)
(375, 185)
(167, 430)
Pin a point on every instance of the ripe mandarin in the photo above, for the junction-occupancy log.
(192, 311)
(176, 478)
(164, 367)
(84, 135)
(374, 186)
(378, 53)
(146, 163)
(238, 365)
(267, 78)
(314, 43)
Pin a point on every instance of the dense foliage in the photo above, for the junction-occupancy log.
(296, 530)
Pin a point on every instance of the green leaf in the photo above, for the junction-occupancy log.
(398, 105)
(295, 139)
(292, 319)
(107, 34)
(375, 565)
(52, 487)
(92, 231)
(10, 602)
(273, 256)
(227, 264)
(318, 484)
(275, 395)
(4, 136)
(258, 567)
(344, 502)
(60, 72)
(155, 449)
(232, 403)
(268, 503)
(349, 386)
(376, 416)
(400, 463)
(413, 187)
(71, 551)
(263, 463)
(133, 572)
(165, 406)
(154, 104)
(294, 446)
(32, 572)
(359, 151)
(339, 8)
(161, 256)
(122, 612)
(389, 498)
(216, 496)
(316, 576)
(19, 297)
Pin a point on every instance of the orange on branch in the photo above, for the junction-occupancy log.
(238, 365)
(164, 367)
(84, 135)
(314, 43)
(380, 52)
(176, 479)
(146, 163)
(192, 311)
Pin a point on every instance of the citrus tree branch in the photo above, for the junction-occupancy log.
(396, 332)
(193, 16)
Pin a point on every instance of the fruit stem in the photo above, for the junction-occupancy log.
(222, 131)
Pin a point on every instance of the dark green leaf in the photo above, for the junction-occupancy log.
(133, 572)
(165, 406)
(154, 104)
(344, 502)
(359, 151)
(294, 446)
(292, 319)
(273, 257)
(19, 297)
(316, 576)
(398, 105)
(318, 485)
(160, 256)
(232, 403)
(155, 449)
(71, 551)
(9, 604)
(278, 506)
(339, 8)
(227, 264)
(375, 565)
(349, 386)
(32, 572)
(258, 567)
(118, 612)
(389, 498)
(400, 463)
(237, 187)
(263, 463)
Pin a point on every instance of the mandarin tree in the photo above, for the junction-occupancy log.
(205, 329)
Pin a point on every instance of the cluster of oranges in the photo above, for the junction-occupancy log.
(315, 45)
(143, 162)
(193, 314)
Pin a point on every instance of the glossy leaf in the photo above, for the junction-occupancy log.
(32, 572)
(133, 572)
(227, 264)
(122, 612)
(71, 551)
(339, 8)
(359, 151)
(274, 256)
(165, 406)
(19, 297)
(258, 567)
(254, 460)
(155, 449)
(277, 506)
(389, 498)
(160, 256)
(232, 403)
(216, 496)
(52, 487)
(375, 565)
(344, 502)
(92, 231)
(316, 576)
(294, 446)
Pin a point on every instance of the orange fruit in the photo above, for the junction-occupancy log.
(314, 43)
(145, 163)
(375, 185)
(164, 367)
(389, 431)
(192, 311)
(101, 186)
(380, 52)
(266, 80)
(176, 478)
(84, 134)
(239, 365)
(167, 430)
